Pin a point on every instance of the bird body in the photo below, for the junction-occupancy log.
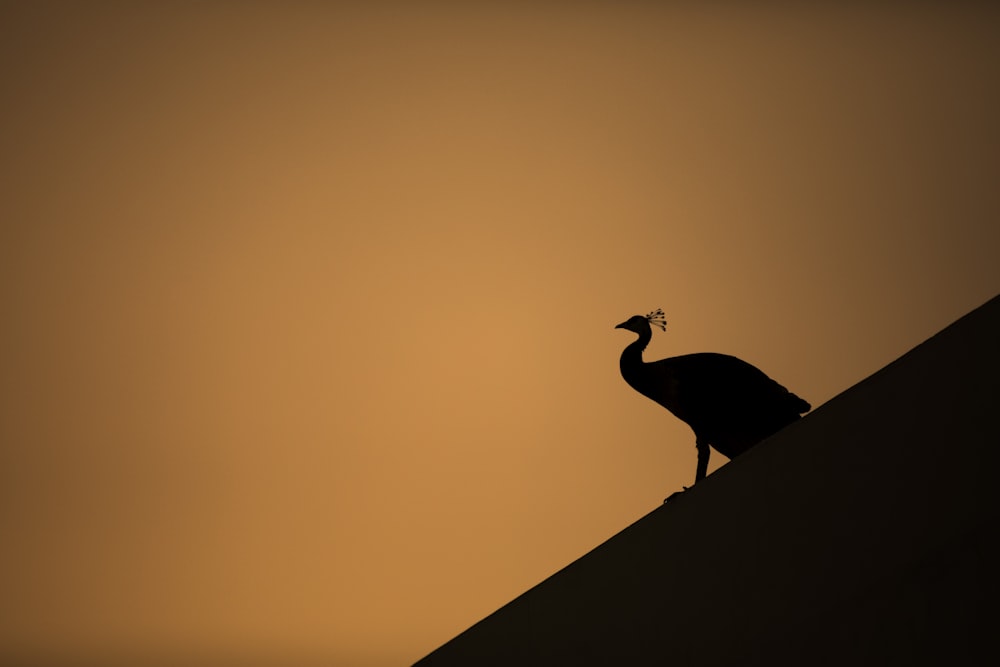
(729, 404)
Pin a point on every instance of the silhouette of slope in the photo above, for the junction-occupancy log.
(858, 535)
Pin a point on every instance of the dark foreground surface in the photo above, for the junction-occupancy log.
(859, 535)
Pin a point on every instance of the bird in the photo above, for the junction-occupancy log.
(730, 405)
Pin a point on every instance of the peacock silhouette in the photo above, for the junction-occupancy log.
(729, 404)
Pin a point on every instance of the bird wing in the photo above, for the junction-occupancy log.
(709, 386)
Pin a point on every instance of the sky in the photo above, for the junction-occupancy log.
(306, 309)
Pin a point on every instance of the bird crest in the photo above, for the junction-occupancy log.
(657, 318)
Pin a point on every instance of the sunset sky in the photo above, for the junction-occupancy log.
(307, 309)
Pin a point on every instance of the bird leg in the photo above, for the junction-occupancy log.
(703, 453)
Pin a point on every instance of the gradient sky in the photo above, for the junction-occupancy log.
(307, 308)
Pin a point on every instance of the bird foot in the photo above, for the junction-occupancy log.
(675, 494)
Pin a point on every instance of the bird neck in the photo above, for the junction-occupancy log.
(632, 354)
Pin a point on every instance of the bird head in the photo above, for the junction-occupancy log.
(640, 323)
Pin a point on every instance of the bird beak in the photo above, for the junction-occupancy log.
(621, 326)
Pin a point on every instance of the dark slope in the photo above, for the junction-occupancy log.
(861, 534)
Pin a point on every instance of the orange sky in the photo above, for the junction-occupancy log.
(307, 345)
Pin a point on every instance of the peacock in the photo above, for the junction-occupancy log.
(729, 404)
